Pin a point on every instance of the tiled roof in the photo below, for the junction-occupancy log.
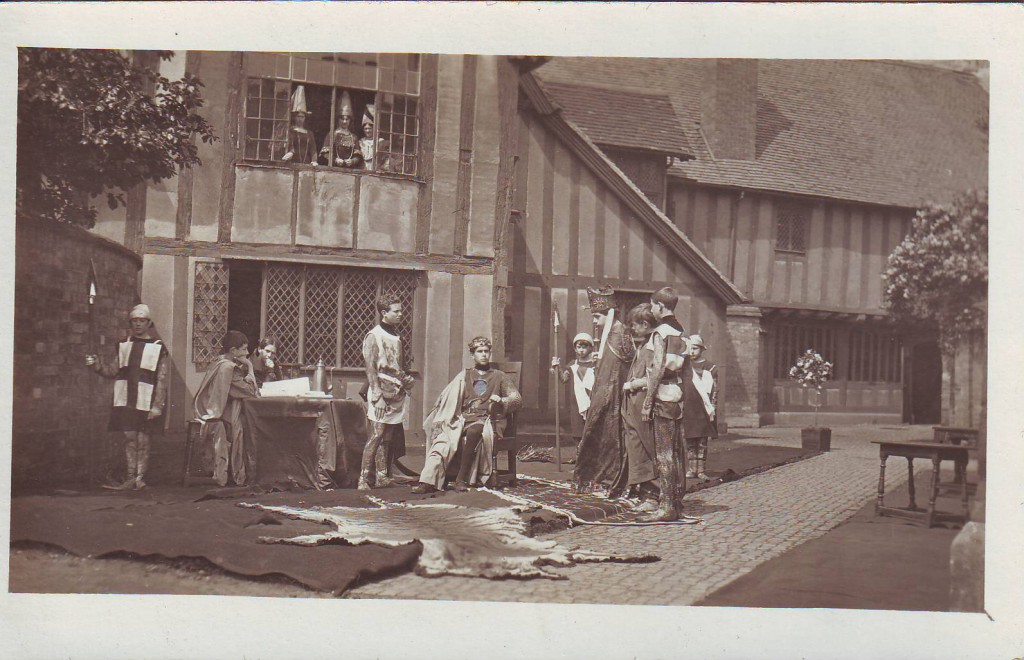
(617, 118)
(879, 132)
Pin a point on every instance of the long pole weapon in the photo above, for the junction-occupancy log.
(93, 290)
(558, 386)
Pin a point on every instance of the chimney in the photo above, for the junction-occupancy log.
(729, 108)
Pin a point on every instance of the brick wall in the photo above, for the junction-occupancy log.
(742, 362)
(60, 407)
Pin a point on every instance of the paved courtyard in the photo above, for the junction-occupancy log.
(746, 523)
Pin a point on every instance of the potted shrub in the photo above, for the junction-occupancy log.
(811, 370)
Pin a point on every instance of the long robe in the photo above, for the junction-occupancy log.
(220, 395)
(600, 455)
(637, 432)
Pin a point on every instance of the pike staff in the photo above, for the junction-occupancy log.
(558, 384)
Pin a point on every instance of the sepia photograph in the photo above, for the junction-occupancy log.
(494, 325)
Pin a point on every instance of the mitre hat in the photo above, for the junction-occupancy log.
(601, 298)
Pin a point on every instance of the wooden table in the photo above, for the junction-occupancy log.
(957, 435)
(936, 453)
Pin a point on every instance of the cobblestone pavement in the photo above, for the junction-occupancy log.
(746, 523)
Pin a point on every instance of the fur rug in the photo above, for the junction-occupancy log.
(457, 540)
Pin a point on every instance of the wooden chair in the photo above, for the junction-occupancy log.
(509, 442)
(193, 429)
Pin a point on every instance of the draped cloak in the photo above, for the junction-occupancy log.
(600, 455)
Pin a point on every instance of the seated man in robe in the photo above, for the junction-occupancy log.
(228, 380)
(468, 414)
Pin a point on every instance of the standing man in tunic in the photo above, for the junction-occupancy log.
(387, 395)
(140, 393)
(600, 455)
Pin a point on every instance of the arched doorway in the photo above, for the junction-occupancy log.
(923, 401)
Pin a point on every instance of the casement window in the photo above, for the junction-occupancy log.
(388, 82)
(791, 221)
(875, 357)
(311, 312)
(790, 341)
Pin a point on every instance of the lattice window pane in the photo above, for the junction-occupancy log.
(404, 286)
(791, 226)
(359, 314)
(266, 119)
(321, 340)
(284, 285)
(398, 133)
(628, 300)
(209, 311)
(790, 342)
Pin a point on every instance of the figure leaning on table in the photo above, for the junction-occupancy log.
(227, 382)
(469, 412)
(140, 393)
(387, 395)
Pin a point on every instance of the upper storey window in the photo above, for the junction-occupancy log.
(791, 220)
(346, 110)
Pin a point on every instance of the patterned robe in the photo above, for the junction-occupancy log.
(600, 455)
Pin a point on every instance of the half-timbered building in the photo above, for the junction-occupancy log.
(799, 179)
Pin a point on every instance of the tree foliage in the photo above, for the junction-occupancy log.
(939, 273)
(90, 121)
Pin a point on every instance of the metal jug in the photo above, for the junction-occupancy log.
(319, 375)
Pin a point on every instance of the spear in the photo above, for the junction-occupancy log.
(558, 385)
(93, 290)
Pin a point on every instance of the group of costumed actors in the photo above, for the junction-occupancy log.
(347, 149)
(638, 411)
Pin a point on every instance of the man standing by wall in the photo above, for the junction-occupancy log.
(140, 393)
(386, 396)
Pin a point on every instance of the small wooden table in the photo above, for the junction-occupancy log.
(936, 453)
(957, 435)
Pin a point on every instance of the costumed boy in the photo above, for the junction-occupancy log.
(700, 398)
(469, 412)
(582, 372)
(228, 380)
(140, 393)
(600, 456)
(389, 385)
(664, 401)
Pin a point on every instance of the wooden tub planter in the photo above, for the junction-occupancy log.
(813, 438)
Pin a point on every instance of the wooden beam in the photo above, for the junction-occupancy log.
(232, 117)
(323, 255)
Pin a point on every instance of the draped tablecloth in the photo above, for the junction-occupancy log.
(305, 442)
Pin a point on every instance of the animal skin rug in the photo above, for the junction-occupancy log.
(456, 540)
